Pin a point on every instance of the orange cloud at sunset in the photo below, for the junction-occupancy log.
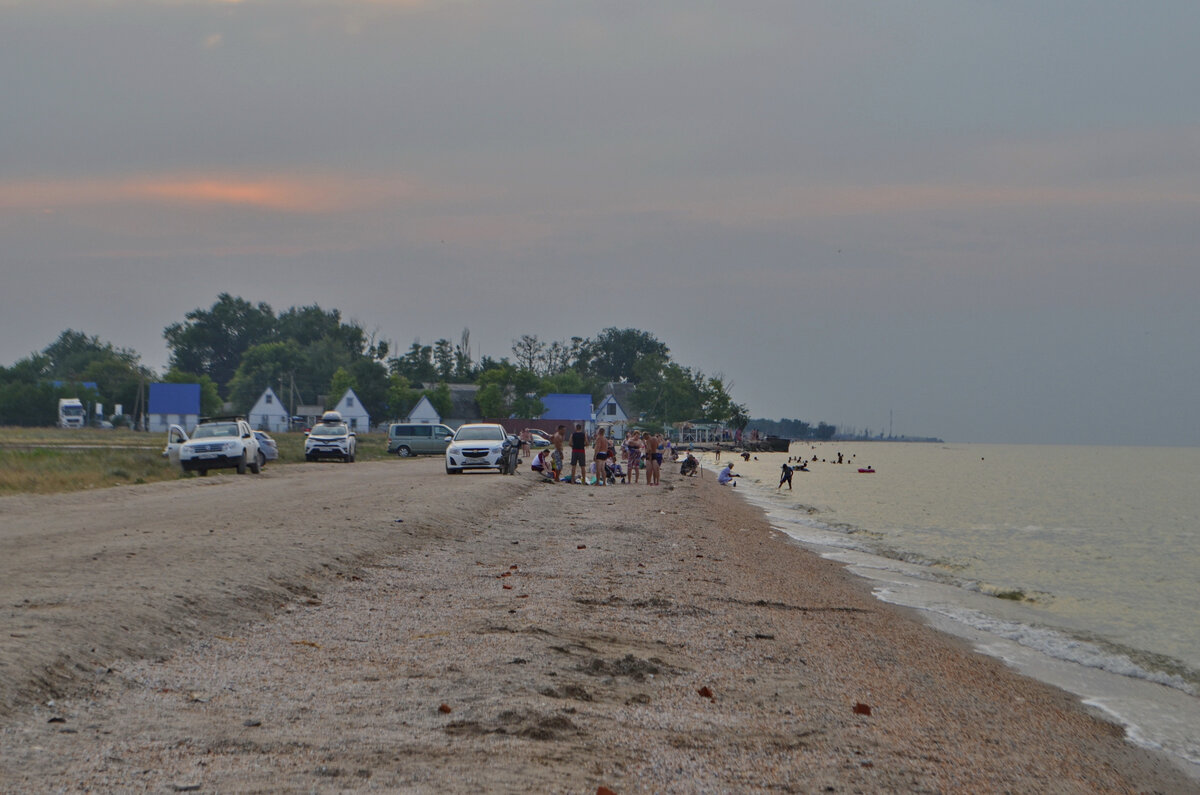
(287, 194)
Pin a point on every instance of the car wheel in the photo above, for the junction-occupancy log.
(202, 472)
(241, 466)
(259, 460)
(450, 471)
(404, 451)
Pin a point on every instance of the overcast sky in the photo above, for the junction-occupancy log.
(978, 218)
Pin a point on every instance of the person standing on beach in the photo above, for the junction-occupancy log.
(579, 453)
(556, 458)
(601, 457)
(633, 444)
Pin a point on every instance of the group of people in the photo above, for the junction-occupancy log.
(639, 449)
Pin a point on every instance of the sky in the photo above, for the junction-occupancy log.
(970, 220)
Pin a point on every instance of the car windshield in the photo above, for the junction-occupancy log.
(479, 433)
(323, 429)
(216, 429)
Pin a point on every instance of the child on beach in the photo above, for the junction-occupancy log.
(785, 476)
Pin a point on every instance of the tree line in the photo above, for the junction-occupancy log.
(235, 349)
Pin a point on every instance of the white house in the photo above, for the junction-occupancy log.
(269, 413)
(611, 414)
(352, 411)
(423, 413)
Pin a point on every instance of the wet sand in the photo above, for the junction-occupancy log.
(386, 627)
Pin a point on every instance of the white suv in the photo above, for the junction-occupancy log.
(221, 443)
(330, 438)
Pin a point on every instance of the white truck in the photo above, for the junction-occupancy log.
(71, 413)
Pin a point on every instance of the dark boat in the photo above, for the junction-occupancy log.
(777, 445)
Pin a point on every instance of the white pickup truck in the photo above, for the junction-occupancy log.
(216, 443)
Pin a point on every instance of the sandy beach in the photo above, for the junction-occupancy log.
(385, 627)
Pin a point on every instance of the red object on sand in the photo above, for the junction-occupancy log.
(867, 470)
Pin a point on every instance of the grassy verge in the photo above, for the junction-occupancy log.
(54, 460)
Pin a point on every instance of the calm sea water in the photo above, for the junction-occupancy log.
(1078, 565)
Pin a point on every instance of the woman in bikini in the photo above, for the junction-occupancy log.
(654, 448)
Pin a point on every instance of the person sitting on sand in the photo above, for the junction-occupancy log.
(543, 464)
(689, 465)
(726, 475)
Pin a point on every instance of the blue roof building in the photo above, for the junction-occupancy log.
(567, 408)
(173, 404)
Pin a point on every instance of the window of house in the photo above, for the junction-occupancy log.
(349, 402)
(267, 398)
(612, 409)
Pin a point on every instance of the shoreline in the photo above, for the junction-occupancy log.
(643, 639)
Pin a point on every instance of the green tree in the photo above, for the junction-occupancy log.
(212, 342)
(401, 397)
(528, 350)
(268, 364)
(439, 398)
(675, 395)
(443, 357)
(116, 372)
(341, 383)
(417, 364)
(30, 404)
(570, 382)
(464, 370)
(491, 400)
(719, 406)
(371, 384)
(614, 354)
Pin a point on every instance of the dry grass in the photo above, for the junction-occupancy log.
(47, 470)
(55, 460)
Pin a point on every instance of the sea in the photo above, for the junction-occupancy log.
(1076, 565)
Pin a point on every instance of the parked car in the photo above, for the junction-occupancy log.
(406, 439)
(267, 445)
(330, 438)
(219, 443)
(481, 446)
(538, 439)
